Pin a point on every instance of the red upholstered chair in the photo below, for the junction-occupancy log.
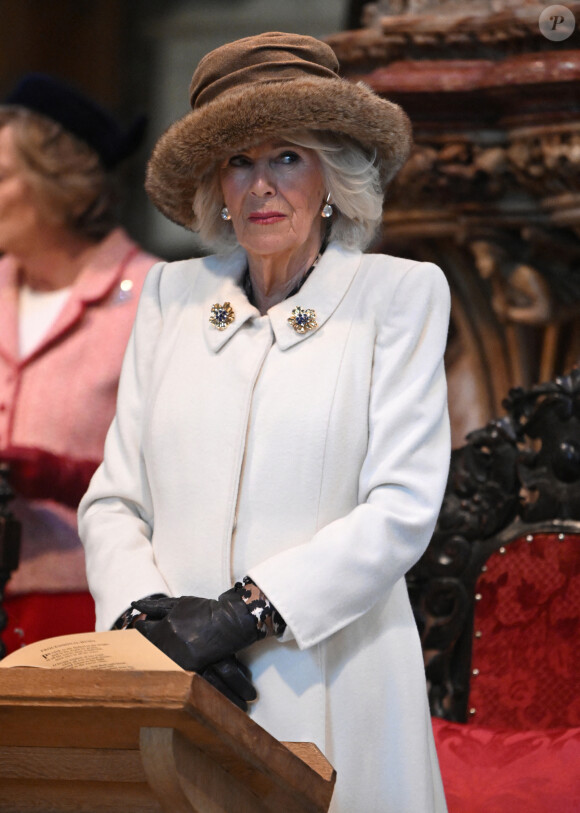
(497, 600)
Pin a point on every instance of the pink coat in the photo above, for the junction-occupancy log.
(62, 396)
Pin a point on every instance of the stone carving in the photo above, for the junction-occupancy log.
(549, 474)
(491, 191)
(541, 163)
(546, 161)
(446, 29)
(384, 7)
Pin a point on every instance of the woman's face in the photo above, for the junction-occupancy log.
(274, 193)
(21, 220)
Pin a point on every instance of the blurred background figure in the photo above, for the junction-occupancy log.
(70, 279)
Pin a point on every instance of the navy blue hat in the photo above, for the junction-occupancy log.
(79, 115)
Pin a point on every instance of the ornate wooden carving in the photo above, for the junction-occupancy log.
(491, 191)
(518, 474)
(9, 543)
(449, 29)
(549, 465)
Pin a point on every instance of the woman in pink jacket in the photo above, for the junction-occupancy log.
(70, 279)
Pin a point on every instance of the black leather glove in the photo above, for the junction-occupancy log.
(232, 679)
(198, 632)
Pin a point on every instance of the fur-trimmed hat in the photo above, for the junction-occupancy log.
(256, 88)
(79, 115)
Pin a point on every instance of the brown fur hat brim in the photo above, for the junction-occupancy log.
(251, 114)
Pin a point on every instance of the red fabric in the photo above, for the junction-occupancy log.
(37, 616)
(503, 771)
(527, 652)
(40, 475)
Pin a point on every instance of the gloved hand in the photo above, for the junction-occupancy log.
(232, 679)
(37, 474)
(198, 632)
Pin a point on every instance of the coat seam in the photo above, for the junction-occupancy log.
(227, 561)
(333, 398)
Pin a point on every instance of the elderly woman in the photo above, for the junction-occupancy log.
(69, 285)
(282, 423)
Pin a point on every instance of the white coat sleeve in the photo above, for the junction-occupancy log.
(321, 586)
(115, 515)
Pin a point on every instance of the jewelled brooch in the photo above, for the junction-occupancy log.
(222, 315)
(124, 292)
(303, 319)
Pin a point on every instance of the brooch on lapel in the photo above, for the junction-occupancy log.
(303, 319)
(124, 292)
(222, 315)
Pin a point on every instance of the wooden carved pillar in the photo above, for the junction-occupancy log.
(9, 544)
(491, 191)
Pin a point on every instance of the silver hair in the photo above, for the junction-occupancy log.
(351, 177)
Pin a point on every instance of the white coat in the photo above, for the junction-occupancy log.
(313, 462)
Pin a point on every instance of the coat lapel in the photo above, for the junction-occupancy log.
(227, 289)
(322, 292)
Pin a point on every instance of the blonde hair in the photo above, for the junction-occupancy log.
(72, 187)
(351, 177)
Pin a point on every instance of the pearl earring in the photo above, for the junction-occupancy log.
(225, 213)
(327, 208)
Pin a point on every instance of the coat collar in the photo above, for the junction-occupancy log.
(322, 292)
(94, 283)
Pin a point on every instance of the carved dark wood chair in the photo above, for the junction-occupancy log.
(497, 602)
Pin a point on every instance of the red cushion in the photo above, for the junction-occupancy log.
(527, 625)
(36, 616)
(506, 771)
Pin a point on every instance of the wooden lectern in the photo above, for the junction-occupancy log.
(144, 742)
